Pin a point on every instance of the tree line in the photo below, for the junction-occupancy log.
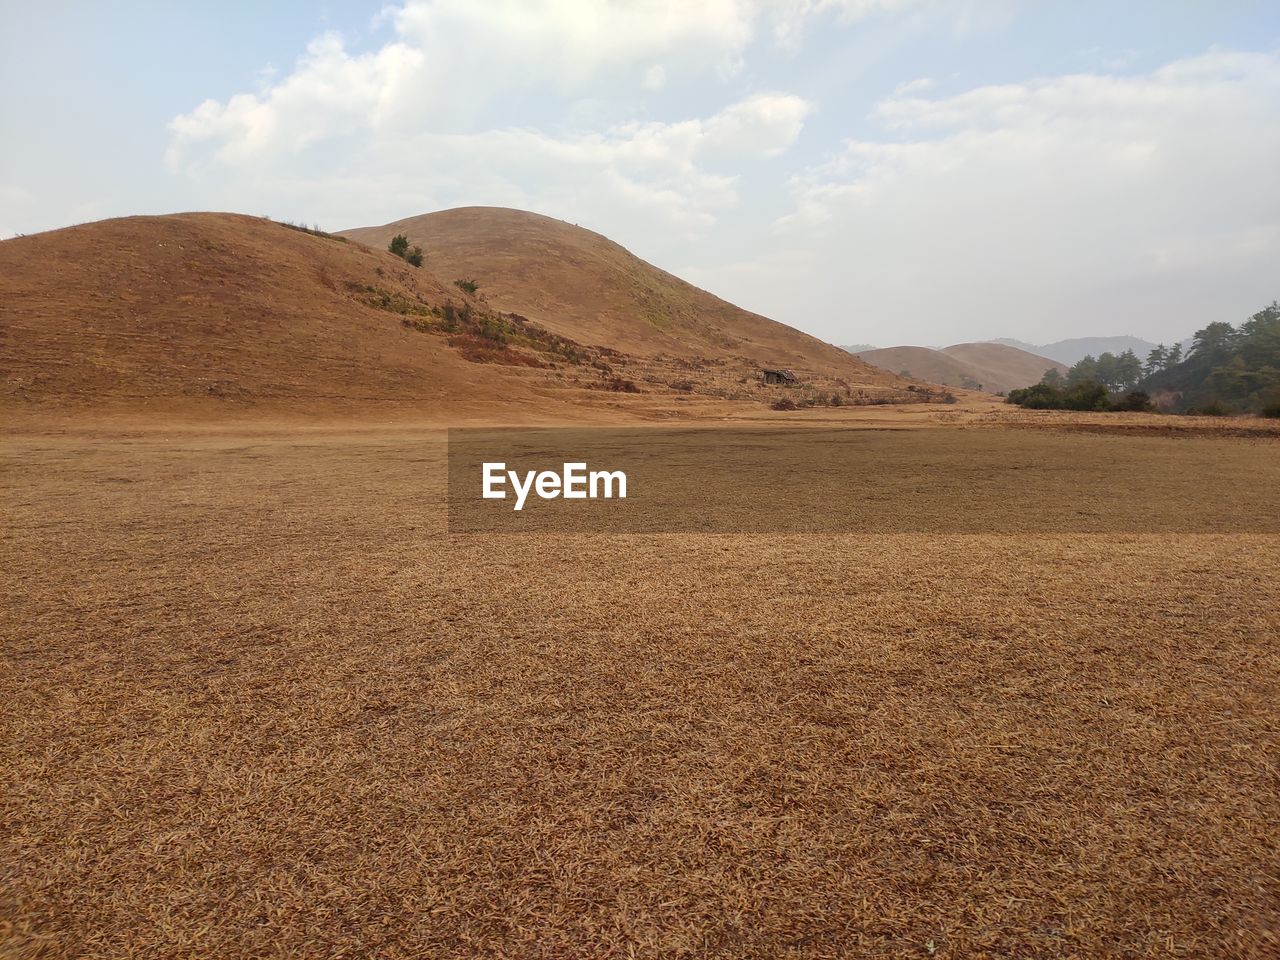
(1226, 369)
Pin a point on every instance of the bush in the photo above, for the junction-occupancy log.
(1272, 410)
(618, 385)
(450, 315)
(1040, 397)
(399, 246)
(468, 285)
(1213, 408)
(1088, 395)
(786, 403)
(1137, 401)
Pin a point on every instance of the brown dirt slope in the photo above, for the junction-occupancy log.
(583, 285)
(994, 366)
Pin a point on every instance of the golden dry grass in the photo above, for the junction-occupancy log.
(221, 315)
(257, 702)
(580, 284)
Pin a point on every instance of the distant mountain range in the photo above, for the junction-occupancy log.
(1076, 349)
(1066, 352)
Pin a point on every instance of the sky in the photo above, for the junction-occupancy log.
(870, 171)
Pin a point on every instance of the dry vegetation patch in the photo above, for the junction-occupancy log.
(257, 702)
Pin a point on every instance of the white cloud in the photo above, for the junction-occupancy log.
(567, 42)
(329, 94)
(766, 124)
(638, 178)
(451, 59)
(1073, 203)
(453, 62)
(411, 119)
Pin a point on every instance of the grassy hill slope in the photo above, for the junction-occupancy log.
(158, 310)
(582, 285)
(208, 310)
(999, 367)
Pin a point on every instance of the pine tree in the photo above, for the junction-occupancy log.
(1157, 360)
(1082, 371)
(1108, 371)
(1128, 370)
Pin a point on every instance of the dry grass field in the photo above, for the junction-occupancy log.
(258, 702)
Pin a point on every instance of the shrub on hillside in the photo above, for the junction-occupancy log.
(469, 285)
(786, 403)
(399, 246)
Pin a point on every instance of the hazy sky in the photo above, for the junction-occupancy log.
(883, 171)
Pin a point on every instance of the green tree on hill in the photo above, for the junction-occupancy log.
(1227, 368)
(1084, 370)
(399, 246)
(1215, 343)
(1157, 360)
(1128, 370)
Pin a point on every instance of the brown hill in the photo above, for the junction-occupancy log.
(582, 285)
(998, 366)
(993, 367)
(922, 363)
(210, 309)
(163, 310)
